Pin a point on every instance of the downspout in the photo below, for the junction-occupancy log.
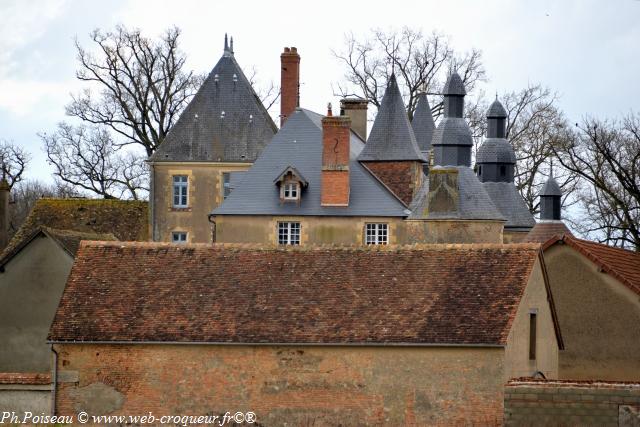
(54, 380)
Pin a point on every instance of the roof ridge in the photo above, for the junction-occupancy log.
(314, 247)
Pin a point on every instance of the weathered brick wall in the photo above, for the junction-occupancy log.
(403, 178)
(566, 403)
(287, 385)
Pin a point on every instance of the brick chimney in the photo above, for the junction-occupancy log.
(334, 189)
(289, 83)
(356, 109)
(4, 213)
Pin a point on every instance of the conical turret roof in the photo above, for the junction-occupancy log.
(391, 136)
(422, 123)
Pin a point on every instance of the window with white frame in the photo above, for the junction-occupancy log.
(180, 191)
(377, 234)
(179, 237)
(288, 233)
(290, 190)
(226, 184)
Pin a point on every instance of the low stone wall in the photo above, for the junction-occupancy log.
(25, 392)
(529, 402)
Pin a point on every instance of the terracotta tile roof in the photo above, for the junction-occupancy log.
(124, 219)
(622, 264)
(22, 378)
(545, 230)
(425, 294)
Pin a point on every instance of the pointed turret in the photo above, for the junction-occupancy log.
(391, 152)
(550, 224)
(496, 159)
(391, 136)
(423, 124)
(452, 139)
(550, 200)
(495, 164)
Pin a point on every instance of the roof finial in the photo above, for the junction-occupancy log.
(231, 45)
(551, 161)
(496, 95)
(226, 43)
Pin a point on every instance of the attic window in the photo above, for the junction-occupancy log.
(290, 190)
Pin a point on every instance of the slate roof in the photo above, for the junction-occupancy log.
(496, 110)
(551, 188)
(424, 294)
(299, 145)
(200, 134)
(124, 219)
(423, 124)
(391, 136)
(496, 150)
(509, 202)
(454, 85)
(474, 202)
(620, 263)
(545, 230)
(452, 131)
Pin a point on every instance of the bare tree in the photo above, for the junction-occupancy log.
(87, 158)
(605, 155)
(417, 60)
(268, 93)
(13, 162)
(138, 86)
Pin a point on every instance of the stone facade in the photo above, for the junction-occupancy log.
(205, 192)
(571, 403)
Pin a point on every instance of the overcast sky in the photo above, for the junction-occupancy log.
(586, 50)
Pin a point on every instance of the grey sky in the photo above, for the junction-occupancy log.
(586, 50)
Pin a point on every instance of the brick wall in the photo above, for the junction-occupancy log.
(571, 403)
(348, 386)
(403, 178)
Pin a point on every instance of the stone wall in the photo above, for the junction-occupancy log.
(571, 403)
(205, 192)
(596, 313)
(287, 385)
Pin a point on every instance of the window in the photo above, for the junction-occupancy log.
(180, 191)
(290, 191)
(377, 234)
(503, 170)
(532, 334)
(289, 233)
(179, 237)
(226, 184)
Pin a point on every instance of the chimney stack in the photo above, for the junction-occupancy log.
(356, 109)
(289, 83)
(4, 213)
(336, 133)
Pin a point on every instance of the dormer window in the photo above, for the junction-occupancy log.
(291, 184)
(291, 190)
